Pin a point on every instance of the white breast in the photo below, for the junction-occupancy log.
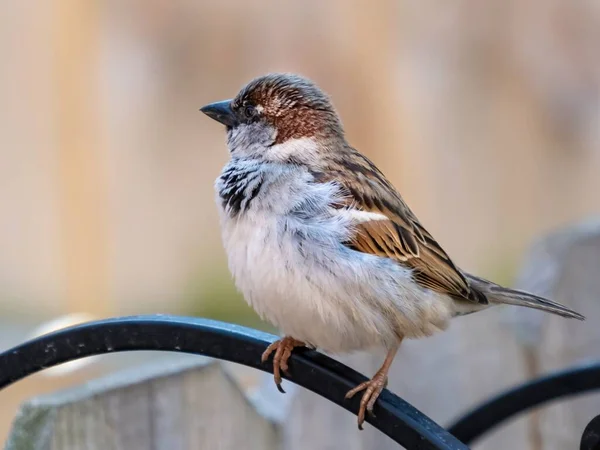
(287, 256)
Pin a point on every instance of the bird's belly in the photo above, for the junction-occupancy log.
(287, 291)
(325, 294)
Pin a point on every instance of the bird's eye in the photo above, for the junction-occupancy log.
(249, 111)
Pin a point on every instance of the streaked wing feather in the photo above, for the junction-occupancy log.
(400, 237)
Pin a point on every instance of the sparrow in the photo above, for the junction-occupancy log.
(322, 245)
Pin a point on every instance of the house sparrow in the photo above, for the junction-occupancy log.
(322, 245)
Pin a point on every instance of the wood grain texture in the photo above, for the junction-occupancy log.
(181, 406)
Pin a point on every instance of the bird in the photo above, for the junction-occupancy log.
(322, 245)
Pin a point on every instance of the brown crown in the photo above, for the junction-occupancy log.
(293, 104)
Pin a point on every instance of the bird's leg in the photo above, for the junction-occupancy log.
(373, 387)
(283, 350)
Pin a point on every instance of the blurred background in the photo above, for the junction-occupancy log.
(485, 114)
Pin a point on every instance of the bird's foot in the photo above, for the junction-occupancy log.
(283, 350)
(372, 389)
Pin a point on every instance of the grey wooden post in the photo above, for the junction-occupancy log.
(184, 405)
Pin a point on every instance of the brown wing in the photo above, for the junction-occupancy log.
(400, 237)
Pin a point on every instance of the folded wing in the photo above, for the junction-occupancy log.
(394, 232)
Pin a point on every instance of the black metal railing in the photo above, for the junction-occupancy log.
(528, 395)
(395, 417)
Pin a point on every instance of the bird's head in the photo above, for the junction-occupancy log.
(278, 117)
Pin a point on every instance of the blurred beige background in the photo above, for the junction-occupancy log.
(486, 115)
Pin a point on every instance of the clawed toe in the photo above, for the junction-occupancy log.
(283, 350)
(372, 390)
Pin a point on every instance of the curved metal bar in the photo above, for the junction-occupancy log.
(533, 393)
(310, 369)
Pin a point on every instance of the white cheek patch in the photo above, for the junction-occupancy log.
(250, 140)
(301, 149)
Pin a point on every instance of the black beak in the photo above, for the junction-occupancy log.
(221, 112)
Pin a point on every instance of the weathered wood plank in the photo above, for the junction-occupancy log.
(564, 266)
(179, 406)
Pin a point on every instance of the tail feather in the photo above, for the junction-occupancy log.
(499, 294)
